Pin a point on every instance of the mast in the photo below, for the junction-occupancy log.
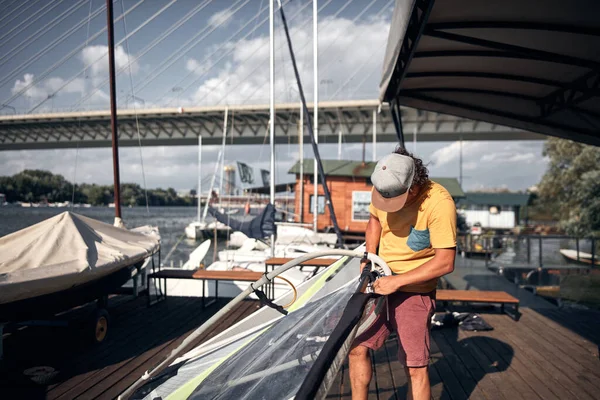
(272, 108)
(301, 143)
(198, 194)
(316, 112)
(374, 135)
(113, 112)
(222, 167)
(315, 147)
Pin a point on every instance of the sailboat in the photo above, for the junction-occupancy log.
(70, 260)
(200, 228)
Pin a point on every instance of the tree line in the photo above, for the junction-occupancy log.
(570, 188)
(43, 186)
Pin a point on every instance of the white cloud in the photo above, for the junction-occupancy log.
(344, 46)
(193, 65)
(451, 153)
(97, 56)
(221, 18)
(36, 93)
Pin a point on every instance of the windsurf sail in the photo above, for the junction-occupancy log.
(260, 227)
(268, 355)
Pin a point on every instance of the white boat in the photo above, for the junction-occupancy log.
(288, 233)
(585, 258)
(67, 260)
(198, 230)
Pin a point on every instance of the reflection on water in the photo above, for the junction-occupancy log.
(548, 273)
(171, 222)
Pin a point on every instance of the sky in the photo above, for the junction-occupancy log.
(184, 52)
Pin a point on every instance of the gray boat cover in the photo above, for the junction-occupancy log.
(65, 251)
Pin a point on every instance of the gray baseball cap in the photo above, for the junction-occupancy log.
(392, 177)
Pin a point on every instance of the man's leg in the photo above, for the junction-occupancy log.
(360, 372)
(360, 360)
(418, 383)
(413, 321)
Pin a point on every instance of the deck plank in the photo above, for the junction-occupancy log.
(515, 335)
(572, 364)
(549, 354)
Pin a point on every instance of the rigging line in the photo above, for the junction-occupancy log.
(177, 54)
(40, 33)
(66, 83)
(357, 70)
(137, 121)
(152, 44)
(223, 55)
(305, 44)
(24, 25)
(60, 62)
(356, 18)
(258, 13)
(13, 10)
(252, 54)
(87, 37)
(31, 4)
(367, 76)
(7, 6)
(206, 58)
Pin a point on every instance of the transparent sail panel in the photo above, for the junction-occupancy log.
(277, 361)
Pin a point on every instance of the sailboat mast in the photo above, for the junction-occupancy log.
(199, 192)
(222, 167)
(272, 108)
(316, 112)
(113, 110)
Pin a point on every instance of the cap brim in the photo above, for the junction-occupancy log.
(392, 204)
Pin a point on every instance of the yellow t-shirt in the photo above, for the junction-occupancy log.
(409, 236)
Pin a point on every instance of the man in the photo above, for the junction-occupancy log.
(413, 223)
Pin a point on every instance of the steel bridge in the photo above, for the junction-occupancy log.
(357, 121)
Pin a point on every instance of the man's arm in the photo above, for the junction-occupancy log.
(372, 236)
(441, 264)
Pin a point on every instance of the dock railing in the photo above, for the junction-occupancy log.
(494, 244)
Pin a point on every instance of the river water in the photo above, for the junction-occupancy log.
(171, 222)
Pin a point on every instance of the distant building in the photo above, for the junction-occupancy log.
(350, 186)
(494, 210)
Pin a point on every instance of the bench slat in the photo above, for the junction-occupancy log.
(317, 262)
(249, 276)
(476, 296)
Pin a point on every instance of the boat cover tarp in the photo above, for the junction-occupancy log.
(260, 227)
(266, 355)
(65, 251)
(532, 65)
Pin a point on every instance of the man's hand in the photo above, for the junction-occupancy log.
(387, 285)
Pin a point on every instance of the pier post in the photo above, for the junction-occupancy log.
(540, 251)
(593, 251)
(577, 247)
(528, 250)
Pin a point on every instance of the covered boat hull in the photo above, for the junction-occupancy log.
(47, 305)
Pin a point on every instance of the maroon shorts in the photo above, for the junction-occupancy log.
(410, 317)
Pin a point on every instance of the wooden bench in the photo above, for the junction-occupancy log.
(480, 296)
(318, 263)
(202, 275)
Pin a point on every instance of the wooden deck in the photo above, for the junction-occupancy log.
(139, 338)
(539, 357)
(549, 354)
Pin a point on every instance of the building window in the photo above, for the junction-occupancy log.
(360, 206)
(321, 204)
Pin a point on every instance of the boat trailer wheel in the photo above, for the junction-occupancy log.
(100, 325)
